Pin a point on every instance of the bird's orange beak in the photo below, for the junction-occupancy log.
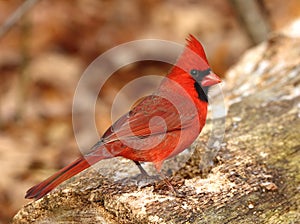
(210, 80)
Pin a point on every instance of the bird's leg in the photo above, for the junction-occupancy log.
(143, 172)
(144, 175)
(144, 178)
(158, 166)
(165, 179)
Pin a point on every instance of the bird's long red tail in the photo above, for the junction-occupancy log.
(65, 173)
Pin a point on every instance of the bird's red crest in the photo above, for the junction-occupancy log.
(194, 45)
(192, 57)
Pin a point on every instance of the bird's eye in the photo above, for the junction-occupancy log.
(200, 73)
(194, 72)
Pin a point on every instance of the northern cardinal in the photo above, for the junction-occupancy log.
(160, 126)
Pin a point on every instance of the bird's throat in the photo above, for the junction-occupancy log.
(202, 91)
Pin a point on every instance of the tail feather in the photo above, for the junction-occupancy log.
(65, 173)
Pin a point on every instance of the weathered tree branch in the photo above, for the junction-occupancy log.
(16, 16)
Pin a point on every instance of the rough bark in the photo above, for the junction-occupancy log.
(255, 178)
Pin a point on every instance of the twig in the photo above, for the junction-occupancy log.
(15, 17)
(252, 19)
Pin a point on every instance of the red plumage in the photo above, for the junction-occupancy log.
(157, 128)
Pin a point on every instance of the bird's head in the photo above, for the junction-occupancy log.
(194, 62)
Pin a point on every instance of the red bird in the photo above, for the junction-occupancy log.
(159, 127)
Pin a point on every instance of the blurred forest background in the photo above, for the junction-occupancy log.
(44, 54)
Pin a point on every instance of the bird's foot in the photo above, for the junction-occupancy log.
(145, 179)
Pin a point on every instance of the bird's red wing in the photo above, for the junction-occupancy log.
(154, 115)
